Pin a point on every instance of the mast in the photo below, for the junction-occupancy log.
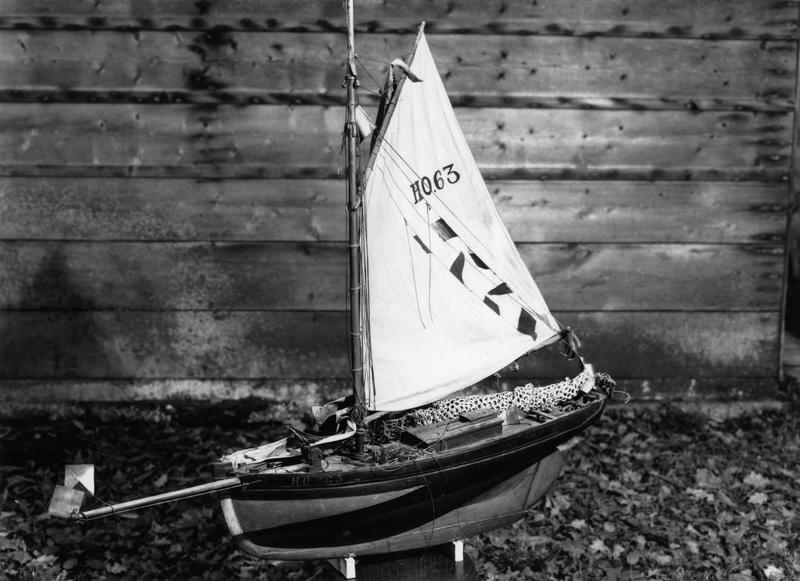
(354, 222)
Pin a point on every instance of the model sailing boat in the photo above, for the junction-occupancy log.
(439, 300)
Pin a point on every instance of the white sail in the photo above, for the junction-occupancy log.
(449, 300)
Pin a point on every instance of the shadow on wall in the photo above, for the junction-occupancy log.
(52, 331)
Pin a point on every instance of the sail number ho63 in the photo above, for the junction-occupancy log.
(425, 186)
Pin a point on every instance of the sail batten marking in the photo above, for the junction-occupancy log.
(478, 262)
(444, 231)
(422, 244)
(457, 268)
(526, 324)
(500, 289)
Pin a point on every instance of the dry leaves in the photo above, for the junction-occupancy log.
(651, 494)
(664, 495)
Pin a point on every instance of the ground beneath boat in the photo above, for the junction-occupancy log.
(647, 493)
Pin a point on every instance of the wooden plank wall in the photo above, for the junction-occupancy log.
(173, 213)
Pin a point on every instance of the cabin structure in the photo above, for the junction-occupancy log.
(172, 201)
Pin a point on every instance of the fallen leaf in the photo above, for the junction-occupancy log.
(726, 499)
(536, 539)
(160, 481)
(734, 537)
(574, 548)
(701, 494)
(631, 476)
(598, 546)
(758, 498)
(662, 559)
(116, 568)
(774, 545)
(707, 479)
(756, 480)
(70, 564)
(713, 549)
(773, 573)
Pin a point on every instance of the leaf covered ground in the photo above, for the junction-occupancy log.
(646, 493)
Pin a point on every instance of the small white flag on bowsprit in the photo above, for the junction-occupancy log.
(83, 474)
(67, 500)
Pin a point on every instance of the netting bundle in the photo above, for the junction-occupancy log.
(526, 398)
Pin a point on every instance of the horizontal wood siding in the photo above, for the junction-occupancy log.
(313, 345)
(172, 217)
(230, 276)
(752, 19)
(308, 210)
(293, 68)
(229, 141)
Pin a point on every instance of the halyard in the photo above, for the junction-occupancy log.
(654, 493)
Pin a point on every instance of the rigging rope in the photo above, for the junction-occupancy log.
(366, 70)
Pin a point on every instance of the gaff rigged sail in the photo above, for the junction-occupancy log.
(449, 300)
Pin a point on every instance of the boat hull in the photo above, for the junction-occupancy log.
(385, 509)
(497, 507)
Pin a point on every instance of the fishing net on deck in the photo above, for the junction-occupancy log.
(526, 398)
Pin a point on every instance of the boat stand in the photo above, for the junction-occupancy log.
(440, 563)
(345, 565)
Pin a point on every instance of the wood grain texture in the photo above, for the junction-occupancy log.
(172, 209)
(642, 212)
(172, 214)
(280, 141)
(313, 210)
(479, 71)
(303, 345)
(310, 276)
(673, 18)
(299, 394)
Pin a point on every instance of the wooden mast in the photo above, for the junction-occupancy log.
(354, 223)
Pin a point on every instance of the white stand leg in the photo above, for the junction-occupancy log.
(458, 551)
(345, 565)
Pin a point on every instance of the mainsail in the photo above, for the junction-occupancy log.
(448, 299)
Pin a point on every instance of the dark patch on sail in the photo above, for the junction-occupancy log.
(500, 289)
(526, 324)
(421, 243)
(478, 262)
(443, 230)
(457, 268)
(491, 304)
